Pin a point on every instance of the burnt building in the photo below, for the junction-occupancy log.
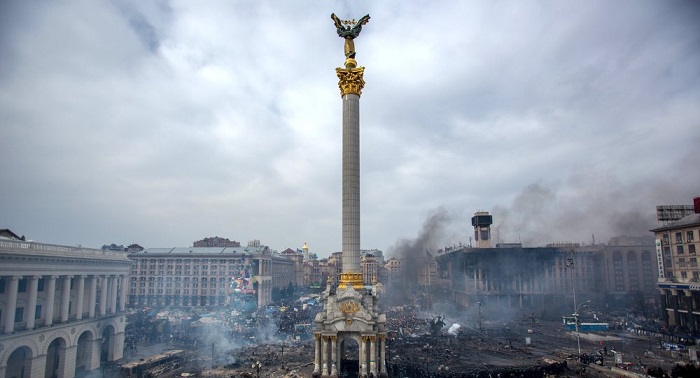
(550, 280)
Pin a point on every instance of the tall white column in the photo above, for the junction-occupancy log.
(382, 354)
(50, 300)
(363, 356)
(373, 355)
(317, 354)
(351, 183)
(65, 298)
(124, 290)
(113, 304)
(80, 299)
(103, 295)
(334, 345)
(31, 304)
(108, 289)
(92, 297)
(324, 355)
(11, 303)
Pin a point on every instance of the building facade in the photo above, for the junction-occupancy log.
(677, 244)
(207, 276)
(628, 270)
(62, 308)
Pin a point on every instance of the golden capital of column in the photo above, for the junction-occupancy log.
(350, 278)
(350, 78)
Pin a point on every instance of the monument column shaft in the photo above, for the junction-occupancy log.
(351, 183)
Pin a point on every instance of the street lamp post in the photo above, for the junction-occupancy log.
(578, 338)
(570, 264)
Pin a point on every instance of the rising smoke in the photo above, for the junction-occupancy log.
(590, 212)
(412, 252)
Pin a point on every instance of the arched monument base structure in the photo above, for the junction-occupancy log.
(350, 316)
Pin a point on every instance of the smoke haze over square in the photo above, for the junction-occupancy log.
(161, 123)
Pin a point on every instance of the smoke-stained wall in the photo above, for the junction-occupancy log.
(545, 280)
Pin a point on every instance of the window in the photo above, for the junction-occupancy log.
(681, 263)
(679, 249)
(667, 251)
(666, 239)
(693, 262)
(689, 237)
(684, 274)
(19, 314)
(696, 275)
(22, 286)
(691, 249)
(679, 237)
(40, 285)
(37, 312)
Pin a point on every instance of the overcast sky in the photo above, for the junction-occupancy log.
(164, 122)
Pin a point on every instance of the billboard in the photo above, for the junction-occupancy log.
(659, 258)
(671, 213)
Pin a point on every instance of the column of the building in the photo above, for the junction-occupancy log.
(382, 355)
(31, 304)
(65, 298)
(92, 297)
(50, 300)
(108, 299)
(317, 354)
(676, 307)
(80, 298)
(373, 355)
(103, 296)
(324, 355)
(113, 302)
(334, 354)
(689, 320)
(11, 303)
(125, 289)
(363, 356)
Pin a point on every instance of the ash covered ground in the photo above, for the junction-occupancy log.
(420, 345)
